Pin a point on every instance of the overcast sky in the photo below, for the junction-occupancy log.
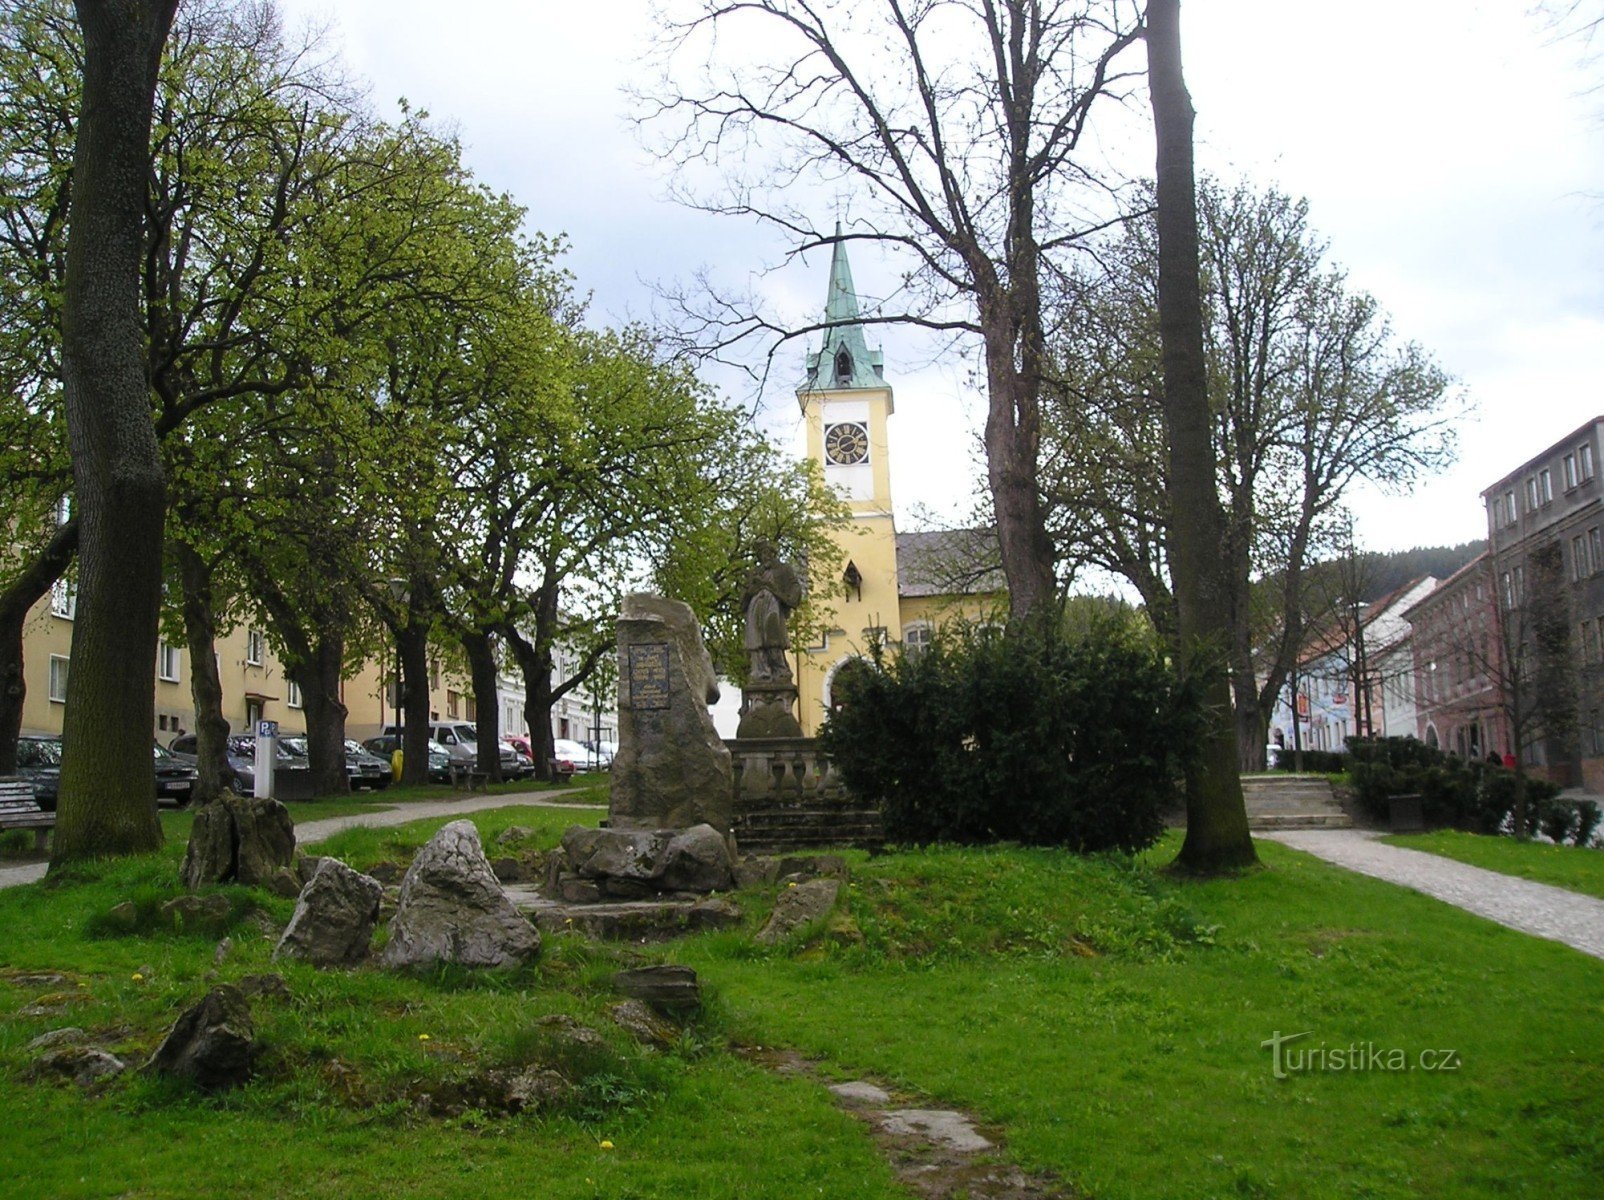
(1450, 151)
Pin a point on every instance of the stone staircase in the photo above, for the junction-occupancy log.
(1292, 802)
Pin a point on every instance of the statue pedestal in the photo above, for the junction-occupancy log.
(767, 711)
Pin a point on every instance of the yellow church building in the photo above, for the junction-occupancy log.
(896, 588)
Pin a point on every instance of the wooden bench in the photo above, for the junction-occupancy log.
(19, 810)
(469, 778)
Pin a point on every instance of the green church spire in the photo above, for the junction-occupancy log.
(845, 360)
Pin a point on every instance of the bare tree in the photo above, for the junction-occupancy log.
(108, 785)
(962, 123)
(1217, 837)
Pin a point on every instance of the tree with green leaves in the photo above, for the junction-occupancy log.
(40, 51)
(1309, 394)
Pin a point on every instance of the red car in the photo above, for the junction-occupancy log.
(562, 767)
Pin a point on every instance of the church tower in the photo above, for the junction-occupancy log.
(846, 403)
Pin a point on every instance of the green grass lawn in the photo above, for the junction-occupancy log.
(1578, 868)
(1107, 1018)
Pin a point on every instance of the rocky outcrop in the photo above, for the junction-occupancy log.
(238, 839)
(334, 918)
(453, 910)
(671, 990)
(798, 906)
(213, 1044)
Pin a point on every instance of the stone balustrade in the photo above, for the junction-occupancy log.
(789, 797)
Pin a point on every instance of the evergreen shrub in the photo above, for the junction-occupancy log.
(1034, 737)
(1471, 795)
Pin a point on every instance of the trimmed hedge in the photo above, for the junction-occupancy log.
(1475, 796)
(1038, 738)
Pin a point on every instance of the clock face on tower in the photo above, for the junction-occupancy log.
(846, 444)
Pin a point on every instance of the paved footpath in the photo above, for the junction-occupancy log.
(308, 832)
(1535, 908)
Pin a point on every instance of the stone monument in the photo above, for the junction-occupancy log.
(772, 593)
(672, 770)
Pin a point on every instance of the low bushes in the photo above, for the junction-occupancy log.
(1036, 738)
(1475, 796)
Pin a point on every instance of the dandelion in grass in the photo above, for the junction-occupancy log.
(423, 1037)
(605, 1144)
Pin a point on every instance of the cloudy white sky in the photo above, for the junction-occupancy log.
(1450, 151)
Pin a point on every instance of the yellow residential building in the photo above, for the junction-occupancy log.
(896, 588)
(255, 686)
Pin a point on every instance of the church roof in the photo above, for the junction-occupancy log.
(949, 562)
(845, 360)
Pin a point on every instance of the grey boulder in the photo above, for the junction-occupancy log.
(213, 1044)
(238, 839)
(334, 918)
(698, 859)
(453, 910)
(798, 906)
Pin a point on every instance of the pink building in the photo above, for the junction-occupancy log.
(1458, 665)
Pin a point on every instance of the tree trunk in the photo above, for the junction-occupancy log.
(205, 687)
(318, 676)
(1217, 837)
(107, 802)
(30, 586)
(413, 640)
(1013, 441)
(536, 669)
(482, 664)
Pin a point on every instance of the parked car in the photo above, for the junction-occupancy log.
(526, 764)
(385, 745)
(461, 741)
(364, 770)
(39, 761)
(601, 755)
(175, 776)
(575, 755)
(241, 755)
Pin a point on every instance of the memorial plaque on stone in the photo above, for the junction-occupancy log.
(648, 676)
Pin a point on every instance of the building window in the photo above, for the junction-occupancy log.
(58, 679)
(1584, 460)
(451, 705)
(470, 709)
(167, 662)
(253, 715)
(255, 644)
(292, 693)
(1510, 513)
(64, 599)
(915, 639)
(1595, 549)
(1545, 486)
(1531, 493)
(1570, 471)
(1509, 589)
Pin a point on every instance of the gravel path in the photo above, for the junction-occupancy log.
(308, 832)
(1535, 908)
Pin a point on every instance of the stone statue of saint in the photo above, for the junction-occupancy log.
(772, 592)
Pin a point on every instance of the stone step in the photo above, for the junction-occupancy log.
(1331, 820)
(631, 920)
